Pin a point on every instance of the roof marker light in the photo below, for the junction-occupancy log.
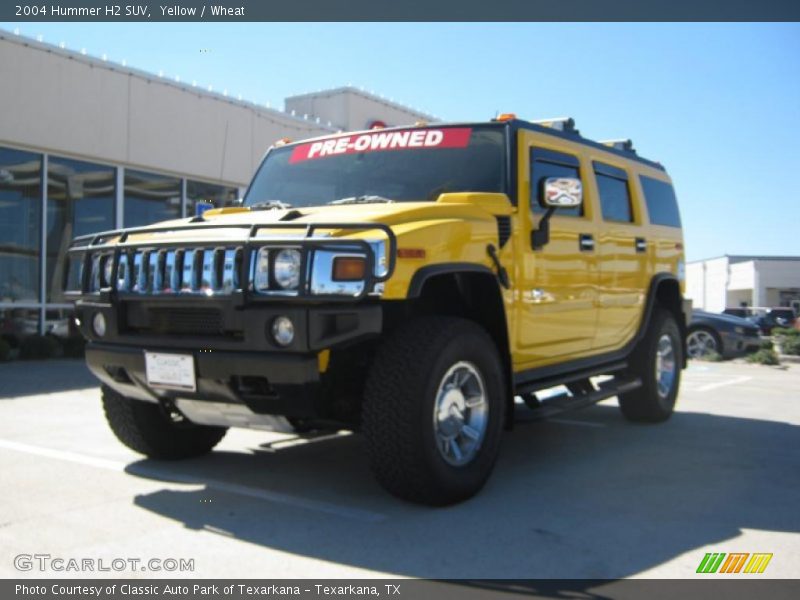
(505, 117)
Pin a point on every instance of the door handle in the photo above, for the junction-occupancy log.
(586, 242)
(641, 245)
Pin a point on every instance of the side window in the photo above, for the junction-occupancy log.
(662, 206)
(615, 199)
(547, 163)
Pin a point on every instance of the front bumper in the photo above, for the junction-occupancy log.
(737, 344)
(248, 370)
(268, 383)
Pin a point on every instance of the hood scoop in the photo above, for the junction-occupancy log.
(291, 215)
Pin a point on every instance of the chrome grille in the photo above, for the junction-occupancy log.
(205, 271)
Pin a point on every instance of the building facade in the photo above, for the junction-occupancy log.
(715, 284)
(88, 145)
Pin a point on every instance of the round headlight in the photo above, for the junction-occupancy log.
(283, 331)
(99, 324)
(286, 269)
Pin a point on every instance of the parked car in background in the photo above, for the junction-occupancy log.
(766, 318)
(722, 334)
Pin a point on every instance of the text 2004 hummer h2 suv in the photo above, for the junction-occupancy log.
(405, 283)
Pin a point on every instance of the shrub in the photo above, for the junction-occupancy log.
(764, 357)
(791, 345)
(766, 345)
(5, 351)
(789, 332)
(39, 346)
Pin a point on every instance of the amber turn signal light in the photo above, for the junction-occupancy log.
(349, 268)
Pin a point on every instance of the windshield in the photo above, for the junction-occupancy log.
(380, 166)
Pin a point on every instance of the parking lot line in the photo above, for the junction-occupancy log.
(725, 383)
(177, 477)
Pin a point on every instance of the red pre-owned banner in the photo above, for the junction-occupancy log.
(375, 141)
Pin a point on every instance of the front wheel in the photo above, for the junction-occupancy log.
(702, 342)
(150, 429)
(657, 361)
(433, 410)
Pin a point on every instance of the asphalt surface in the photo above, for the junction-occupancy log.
(584, 495)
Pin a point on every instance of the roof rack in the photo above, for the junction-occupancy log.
(565, 124)
(623, 144)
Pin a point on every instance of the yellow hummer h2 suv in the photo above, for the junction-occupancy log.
(419, 285)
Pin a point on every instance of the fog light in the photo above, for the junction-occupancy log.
(99, 324)
(283, 331)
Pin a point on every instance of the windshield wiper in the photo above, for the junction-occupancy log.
(269, 205)
(362, 200)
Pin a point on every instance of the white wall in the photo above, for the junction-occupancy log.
(706, 283)
(62, 102)
(348, 109)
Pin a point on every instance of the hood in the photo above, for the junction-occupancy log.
(463, 206)
(733, 320)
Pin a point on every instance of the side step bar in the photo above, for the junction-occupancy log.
(583, 393)
(554, 380)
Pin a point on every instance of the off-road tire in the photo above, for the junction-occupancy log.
(645, 404)
(147, 429)
(398, 411)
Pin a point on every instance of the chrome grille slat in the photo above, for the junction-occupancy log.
(173, 271)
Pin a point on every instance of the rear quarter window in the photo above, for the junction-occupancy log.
(662, 206)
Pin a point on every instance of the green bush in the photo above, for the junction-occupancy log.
(791, 346)
(764, 357)
(39, 346)
(766, 345)
(789, 332)
(5, 351)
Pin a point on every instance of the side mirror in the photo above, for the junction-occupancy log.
(562, 192)
(557, 192)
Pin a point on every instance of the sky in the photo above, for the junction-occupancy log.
(717, 104)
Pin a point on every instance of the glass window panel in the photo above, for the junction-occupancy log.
(18, 323)
(218, 195)
(20, 225)
(150, 198)
(615, 201)
(80, 200)
(662, 206)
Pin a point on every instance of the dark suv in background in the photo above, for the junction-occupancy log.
(765, 318)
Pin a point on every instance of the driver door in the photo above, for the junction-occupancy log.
(557, 312)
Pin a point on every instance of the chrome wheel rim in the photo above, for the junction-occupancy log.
(665, 365)
(460, 414)
(700, 343)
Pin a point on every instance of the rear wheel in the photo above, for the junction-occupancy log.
(433, 410)
(152, 430)
(657, 361)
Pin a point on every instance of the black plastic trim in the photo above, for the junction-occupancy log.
(425, 273)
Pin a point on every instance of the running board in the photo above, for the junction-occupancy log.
(566, 402)
(554, 380)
